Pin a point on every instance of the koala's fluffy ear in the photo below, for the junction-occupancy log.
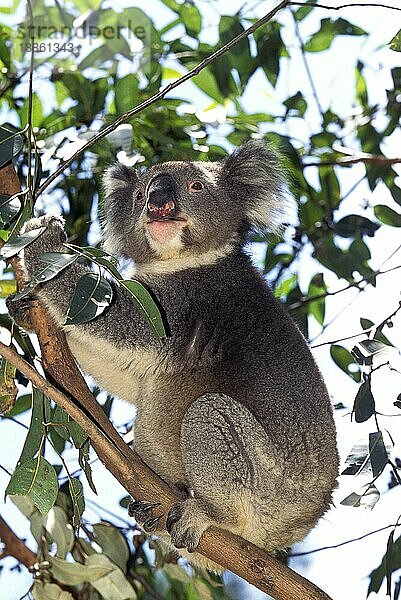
(119, 183)
(253, 176)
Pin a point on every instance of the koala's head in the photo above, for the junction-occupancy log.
(183, 210)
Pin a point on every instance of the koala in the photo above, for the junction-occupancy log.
(231, 409)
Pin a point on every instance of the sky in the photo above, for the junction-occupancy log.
(341, 572)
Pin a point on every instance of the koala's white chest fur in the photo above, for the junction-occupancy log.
(121, 372)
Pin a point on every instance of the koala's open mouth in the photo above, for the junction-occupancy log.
(166, 212)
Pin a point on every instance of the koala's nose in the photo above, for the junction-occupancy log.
(161, 201)
(161, 190)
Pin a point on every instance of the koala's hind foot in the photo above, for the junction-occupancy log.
(224, 451)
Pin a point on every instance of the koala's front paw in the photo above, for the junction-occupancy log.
(51, 240)
(19, 310)
(143, 514)
(186, 522)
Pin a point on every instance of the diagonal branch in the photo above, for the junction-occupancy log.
(232, 552)
(13, 546)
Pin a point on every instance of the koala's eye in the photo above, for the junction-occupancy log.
(140, 196)
(196, 186)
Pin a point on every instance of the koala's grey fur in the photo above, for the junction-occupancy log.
(232, 407)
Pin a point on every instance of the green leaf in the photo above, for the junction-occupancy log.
(378, 453)
(17, 243)
(395, 43)
(49, 591)
(83, 461)
(22, 404)
(59, 530)
(146, 304)
(206, 82)
(355, 225)
(378, 574)
(296, 104)
(344, 359)
(352, 500)
(35, 433)
(73, 573)
(364, 403)
(36, 479)
(78, 500)
(126, 93)
(317, 307)
(329, 29)
(387, 215)
(92, 295)
(11, 143)
(9, 208)
(114, 584)
(113, 543)
(56, 262)
(303, 12)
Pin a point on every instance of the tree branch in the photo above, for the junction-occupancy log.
(341, 6)
(379, 161)
(13, 546)
(230, 551)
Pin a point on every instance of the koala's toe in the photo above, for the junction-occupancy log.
(143, 513)
(53, 221)
(185, 523)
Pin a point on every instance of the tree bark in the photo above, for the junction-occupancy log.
(13, 546)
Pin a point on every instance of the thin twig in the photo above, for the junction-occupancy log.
(306, 65)
(356, 539)
(341, 6)
(160, 95)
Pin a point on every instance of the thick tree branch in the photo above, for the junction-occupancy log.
(230, 551)
(13, 546)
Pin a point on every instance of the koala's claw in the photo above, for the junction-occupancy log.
(142, 512)
(186, 524)
(151, 524)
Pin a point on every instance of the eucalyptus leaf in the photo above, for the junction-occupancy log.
(92, 295)
(364, 403)
(36, 479)
(49, 591)
(113, 543)
(78, 500)
(146, 304)
(35, 433)
(9, 208)
(378, 452)
(83, 461)
(56, 262)
(11, 143)
(17, 243)
(72, 573)
(387, 215)
(114, 584)
(395, 43)
(344, 360)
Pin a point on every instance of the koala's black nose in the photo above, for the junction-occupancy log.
(161, 200)
(161, 190)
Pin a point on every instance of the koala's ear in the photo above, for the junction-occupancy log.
(253, 176)
(119, 183)
(118, 177)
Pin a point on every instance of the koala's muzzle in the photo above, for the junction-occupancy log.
(161, 199)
